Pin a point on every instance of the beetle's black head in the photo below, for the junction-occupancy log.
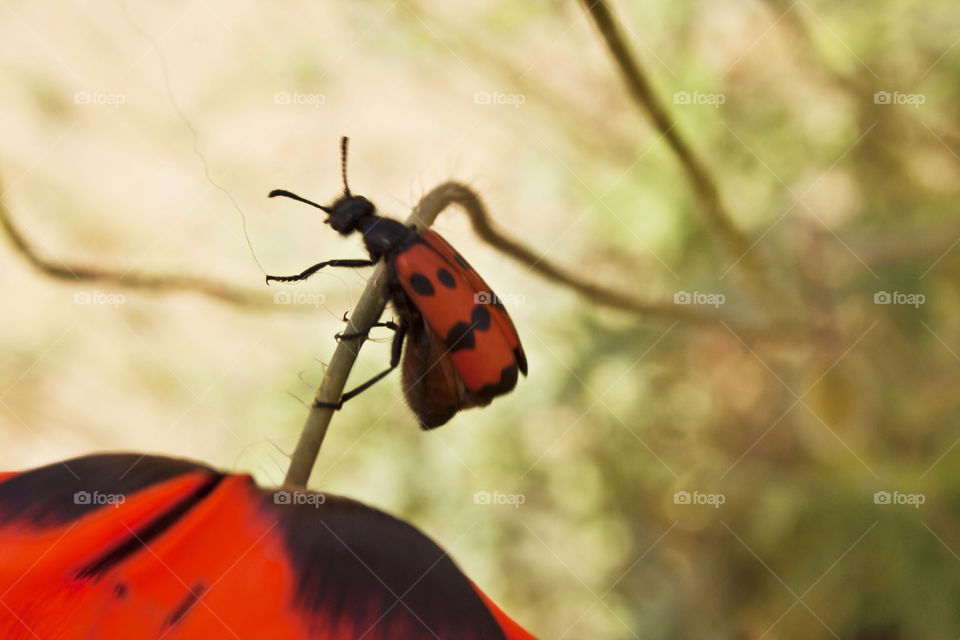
(346, 213)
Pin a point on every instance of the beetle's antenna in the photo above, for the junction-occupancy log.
(343, 164)
(343, 172)
(293, 196)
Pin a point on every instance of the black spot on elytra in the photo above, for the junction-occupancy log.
(460, 337)
(120, 591)
(460, 261)
(461, 334)
(446, 278)
(480, 317)
(508, 380)
(186, 604)
(421, 284)
(521, 360)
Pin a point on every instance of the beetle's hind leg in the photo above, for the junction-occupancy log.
(389, 324)
(396, 351)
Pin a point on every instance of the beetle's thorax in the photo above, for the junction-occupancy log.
(382, 236)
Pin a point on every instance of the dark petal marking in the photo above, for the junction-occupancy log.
(348, 565)
(45, 497)
(460, 337)
(446, 278)
(142, 537)
(186, 604)
(421, 284)
(480, 317)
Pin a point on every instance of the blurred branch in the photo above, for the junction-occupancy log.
(485, 51)
(896, 244)
(130, 279)
(736, 243)
(896, 183)
(538, 263)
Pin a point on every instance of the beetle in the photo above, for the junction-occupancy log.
(462, 348)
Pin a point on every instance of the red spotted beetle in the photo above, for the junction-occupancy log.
(462, 348)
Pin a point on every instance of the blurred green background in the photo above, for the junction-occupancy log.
(833, 132)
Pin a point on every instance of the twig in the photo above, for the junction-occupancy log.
(131, 279)
(647, 309)
(482, 224)
(736, 243)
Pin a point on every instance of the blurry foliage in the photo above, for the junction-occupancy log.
(845, 197)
